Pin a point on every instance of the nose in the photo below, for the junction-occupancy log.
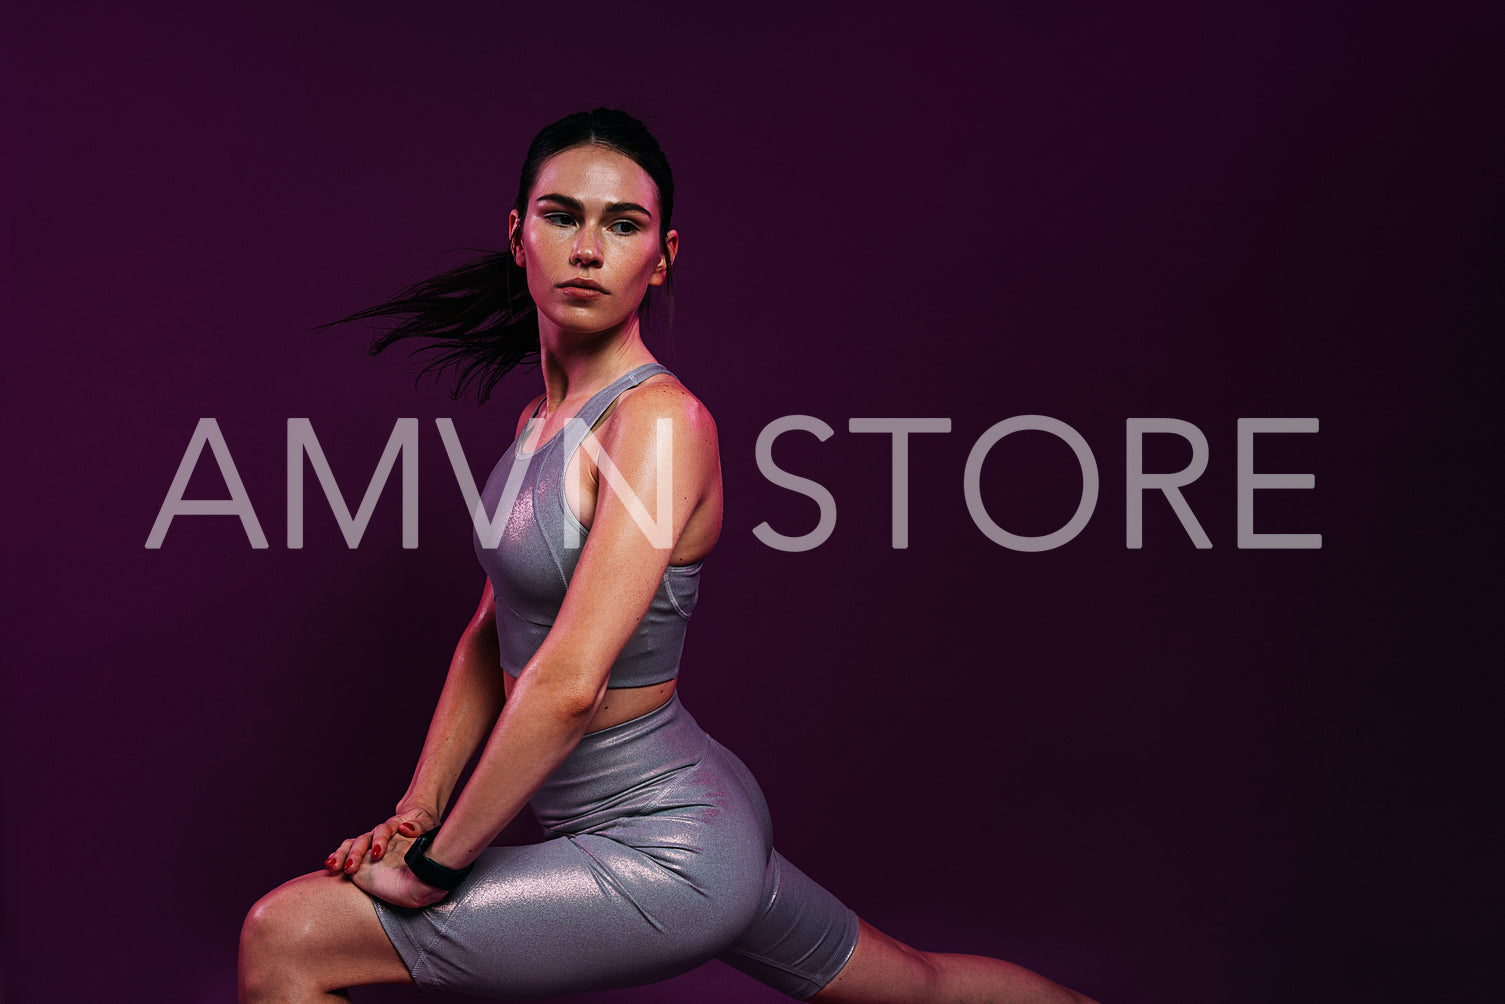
(587, 249)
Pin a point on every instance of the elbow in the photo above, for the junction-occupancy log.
(578, 705)
(567, 696)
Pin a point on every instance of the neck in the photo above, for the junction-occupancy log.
(578, 366)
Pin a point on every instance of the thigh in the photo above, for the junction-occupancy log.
(800, 938)
(566, 915)
(633, 901)
(318, 929)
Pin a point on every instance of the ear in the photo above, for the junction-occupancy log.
(665, 262)
(515, 238)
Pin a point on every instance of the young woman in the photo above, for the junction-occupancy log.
(591, 529)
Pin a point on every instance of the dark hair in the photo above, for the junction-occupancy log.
(479, 317)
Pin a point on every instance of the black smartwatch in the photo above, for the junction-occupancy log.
(431, 872)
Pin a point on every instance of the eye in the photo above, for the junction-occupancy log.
(624, 227)
(560, 219)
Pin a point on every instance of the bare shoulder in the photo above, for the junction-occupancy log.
(641, 411)
(662, 443)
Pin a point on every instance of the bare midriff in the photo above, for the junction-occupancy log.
(622, 704)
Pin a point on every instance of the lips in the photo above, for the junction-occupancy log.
(583, 284)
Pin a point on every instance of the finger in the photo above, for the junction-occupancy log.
(379, 839)
(357, 851)
(336, 861)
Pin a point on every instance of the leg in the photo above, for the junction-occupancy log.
(310, 938)
(882, 969)
(806, 944)
(641, 902)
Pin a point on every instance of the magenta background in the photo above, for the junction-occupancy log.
(1161, 775)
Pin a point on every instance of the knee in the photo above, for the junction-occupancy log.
(924, 973)
(883, 968)
(928, 968)
(268, 940)
(264, 925)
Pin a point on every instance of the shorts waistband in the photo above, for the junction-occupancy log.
(621, 763)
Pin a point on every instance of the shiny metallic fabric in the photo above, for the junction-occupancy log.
(659, 858)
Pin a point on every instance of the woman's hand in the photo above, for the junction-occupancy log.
(407, 823)
(390, 879)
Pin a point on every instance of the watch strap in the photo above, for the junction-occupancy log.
(431, 872)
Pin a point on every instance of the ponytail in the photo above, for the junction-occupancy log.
(477, 317)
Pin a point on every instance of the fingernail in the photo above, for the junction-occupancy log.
(329, 861)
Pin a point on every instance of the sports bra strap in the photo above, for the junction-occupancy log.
(590, 413)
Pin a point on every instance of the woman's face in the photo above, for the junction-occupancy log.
(589, 241)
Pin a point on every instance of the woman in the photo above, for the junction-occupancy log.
(591, 529)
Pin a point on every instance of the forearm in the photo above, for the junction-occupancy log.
(472, 699)
(536, 731)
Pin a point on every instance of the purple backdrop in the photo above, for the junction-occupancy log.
(1163, 774)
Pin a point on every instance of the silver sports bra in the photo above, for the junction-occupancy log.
(531, 560)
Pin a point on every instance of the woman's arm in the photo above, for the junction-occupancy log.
(468, 707)
(473, 694)
(660, 431)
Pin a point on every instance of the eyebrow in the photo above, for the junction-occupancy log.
(579, 207)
